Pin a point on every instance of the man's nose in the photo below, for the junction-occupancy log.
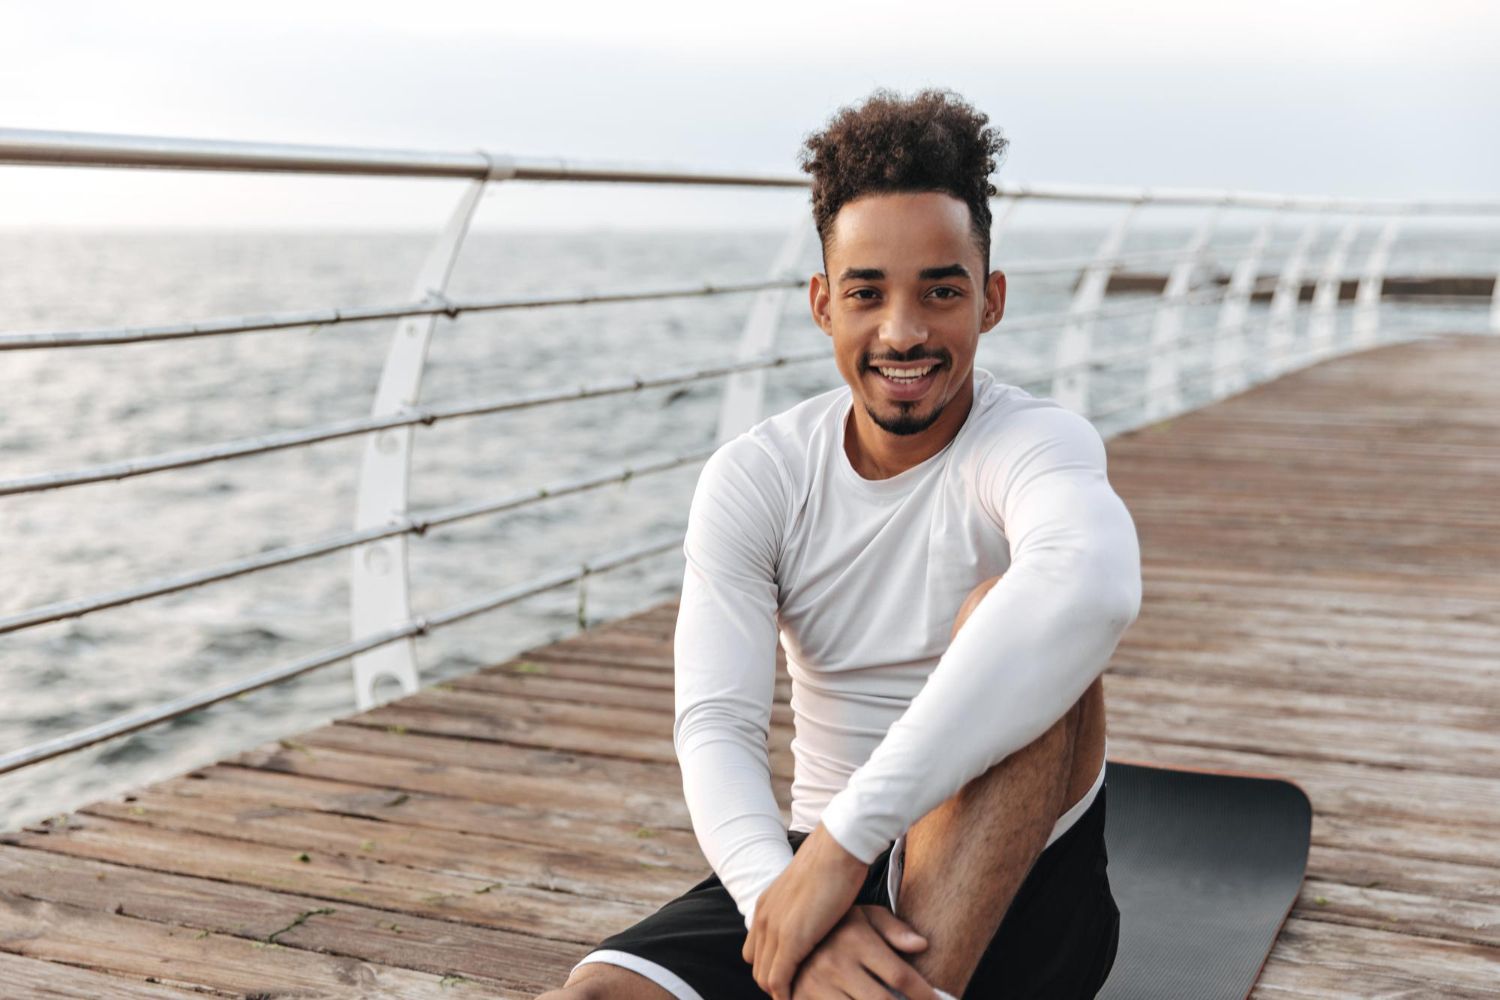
(903, 328)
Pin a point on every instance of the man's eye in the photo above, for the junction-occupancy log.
(859, 293)
(953, 293)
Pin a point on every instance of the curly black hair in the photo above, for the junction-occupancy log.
(932, 141)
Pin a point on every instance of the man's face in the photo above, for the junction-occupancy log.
(905, 299)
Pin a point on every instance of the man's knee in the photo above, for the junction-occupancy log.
(971, 602)
(605, 981)
(1071, 719)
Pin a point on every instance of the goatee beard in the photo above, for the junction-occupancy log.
(905, 423)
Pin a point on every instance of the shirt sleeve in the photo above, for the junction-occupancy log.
(1029, 649)
(725, 668)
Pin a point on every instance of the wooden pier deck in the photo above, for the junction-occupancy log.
(1322, 601)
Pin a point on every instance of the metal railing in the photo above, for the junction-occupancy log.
(383, 626)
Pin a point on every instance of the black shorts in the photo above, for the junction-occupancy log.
(1057, 941)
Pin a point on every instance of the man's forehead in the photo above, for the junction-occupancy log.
(902, 234)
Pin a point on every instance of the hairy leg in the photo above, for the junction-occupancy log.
(966, 859)
(602, 981)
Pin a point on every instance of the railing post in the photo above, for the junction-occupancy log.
(1229, 358)
(1322, 326)
(1162, 390)
(378, 595)
(1281, 327)
(744, 392)
(1000, 222)
(1070, 386)
(1371, 282)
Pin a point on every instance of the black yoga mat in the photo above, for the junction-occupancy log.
(1204, 867)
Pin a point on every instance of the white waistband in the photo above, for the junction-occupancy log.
(654, 971)
(1077, 809)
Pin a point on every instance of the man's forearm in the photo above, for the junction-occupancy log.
(1031, 648)
(727, 785)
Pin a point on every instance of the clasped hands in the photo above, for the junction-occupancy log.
(793, 919)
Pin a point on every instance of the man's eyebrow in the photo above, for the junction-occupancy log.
(926, 274)
(950, 271)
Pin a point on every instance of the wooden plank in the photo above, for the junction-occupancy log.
(1321, 588)
(562, 683)
(599, 821)
(617, 853)
(44, 980)
(76, 935)
(1445, 968)
(1417, 914)
(453, 759)
(375, 852)
(1403, 837)
(493, 677)
(441, 947)
(1301, 669)
(524, 908)
(1459, 637)
(1337, 788)
(548, 734)
(1343, 979)
(480, 754)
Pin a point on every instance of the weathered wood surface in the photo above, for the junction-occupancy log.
(1322, 601)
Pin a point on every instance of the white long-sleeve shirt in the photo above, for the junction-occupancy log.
(863, 580)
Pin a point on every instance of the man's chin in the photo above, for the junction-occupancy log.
(902, 420)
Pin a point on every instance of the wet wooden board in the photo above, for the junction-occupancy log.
(1322, 601)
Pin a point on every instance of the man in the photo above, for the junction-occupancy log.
(949, 572)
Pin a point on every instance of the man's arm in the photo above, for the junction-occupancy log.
(1029, 649)
(725, 668)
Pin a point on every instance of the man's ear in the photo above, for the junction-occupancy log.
(994, 301)
(818, 301)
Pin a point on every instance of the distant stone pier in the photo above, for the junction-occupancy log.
(1450, 286)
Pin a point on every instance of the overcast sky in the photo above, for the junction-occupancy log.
(1370, 98)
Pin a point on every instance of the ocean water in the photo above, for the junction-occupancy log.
(67, 409)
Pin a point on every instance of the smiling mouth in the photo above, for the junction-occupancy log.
(908, 381)
(905, 373)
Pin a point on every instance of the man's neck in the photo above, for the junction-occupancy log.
(876, 453)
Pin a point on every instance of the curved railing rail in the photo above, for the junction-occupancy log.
(36, 147)
(1178, 363)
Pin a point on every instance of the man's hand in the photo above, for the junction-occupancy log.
(793, 914)
(858, 959)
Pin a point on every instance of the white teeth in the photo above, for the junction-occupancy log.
(905, 374)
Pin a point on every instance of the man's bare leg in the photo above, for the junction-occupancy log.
(966, 859)
(602, 981)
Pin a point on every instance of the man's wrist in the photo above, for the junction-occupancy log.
(831, 853)
(843, 820)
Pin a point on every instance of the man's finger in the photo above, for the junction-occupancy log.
(900, 977)
(765, 960)
(873, 945)
(895, 930)
(783, 973)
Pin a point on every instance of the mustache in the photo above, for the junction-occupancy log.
(916, 354)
